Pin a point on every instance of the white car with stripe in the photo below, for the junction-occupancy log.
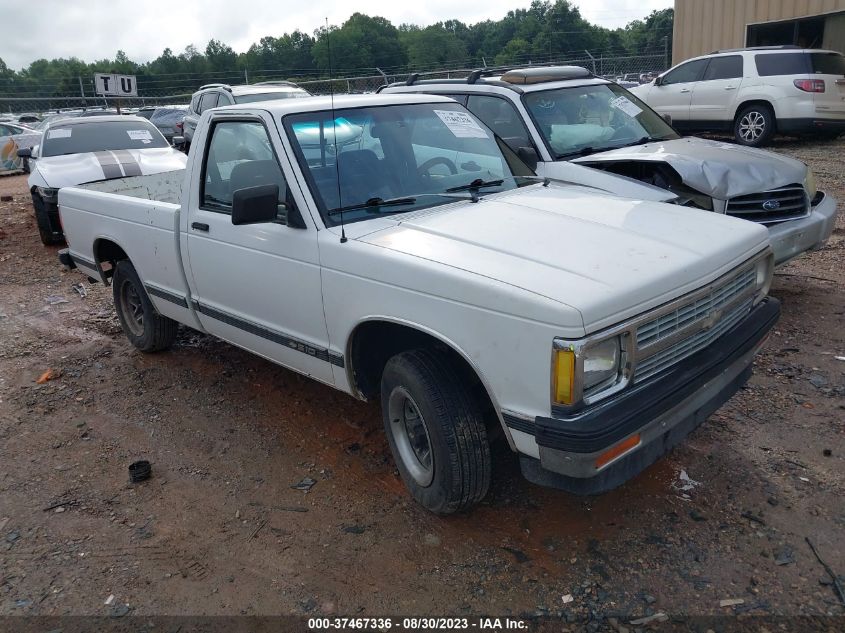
(90, 149)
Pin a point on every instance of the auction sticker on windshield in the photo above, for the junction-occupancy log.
(140, 135)
(626, 105)
(461, 124)
(60, 133)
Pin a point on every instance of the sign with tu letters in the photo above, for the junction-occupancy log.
(115, 85)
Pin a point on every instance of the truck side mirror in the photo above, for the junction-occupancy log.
(658, 81)
(25, 152)
(667, 118)
(255, 205)
(178, 142)
(529, 156)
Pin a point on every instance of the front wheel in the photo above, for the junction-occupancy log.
(145, 328)
(435, 431)
(754, 125)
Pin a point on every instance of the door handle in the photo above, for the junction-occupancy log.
(683, 90)
(730, 87)
(199, 226)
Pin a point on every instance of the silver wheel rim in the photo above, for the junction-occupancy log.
(132, 308)
(410, 436)
(752, 126)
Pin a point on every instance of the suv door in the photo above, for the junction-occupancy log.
(714, 97)
(257, 285)
(672, 94)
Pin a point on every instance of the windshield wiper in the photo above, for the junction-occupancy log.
(374, 202)
(584, 151)
(476, 184)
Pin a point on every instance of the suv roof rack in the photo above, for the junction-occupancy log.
(277, 82)
(543, 74)
(224, 86)
(780, 47)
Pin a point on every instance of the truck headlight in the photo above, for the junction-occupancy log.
(765, 269)
(601, 363)
(810, 184)
(581, 370)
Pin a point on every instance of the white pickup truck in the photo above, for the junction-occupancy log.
(391, 247)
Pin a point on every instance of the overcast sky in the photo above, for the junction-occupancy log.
(96, 29)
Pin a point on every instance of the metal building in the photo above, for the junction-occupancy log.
(703, 26)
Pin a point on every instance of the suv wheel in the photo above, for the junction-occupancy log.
(754, 125)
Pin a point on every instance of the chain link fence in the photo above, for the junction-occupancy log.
(153, 91)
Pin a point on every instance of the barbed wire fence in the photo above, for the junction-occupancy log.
(159, 90)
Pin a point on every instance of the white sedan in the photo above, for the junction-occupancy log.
(89, 149)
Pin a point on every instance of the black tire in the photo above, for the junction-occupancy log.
(49, 235)
(458, 450)
(754, 125)
(145, 328)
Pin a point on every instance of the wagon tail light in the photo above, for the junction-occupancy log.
(809, 85)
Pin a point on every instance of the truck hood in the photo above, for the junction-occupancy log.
(608, 257)
(720, 170)
(77, 169)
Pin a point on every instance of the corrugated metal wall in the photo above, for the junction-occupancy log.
(702, 26)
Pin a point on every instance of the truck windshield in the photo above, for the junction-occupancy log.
(97, 136)
(587, 119)
(398, 158)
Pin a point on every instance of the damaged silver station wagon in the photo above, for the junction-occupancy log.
(553, 117)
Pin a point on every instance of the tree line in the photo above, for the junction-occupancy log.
(544, 31)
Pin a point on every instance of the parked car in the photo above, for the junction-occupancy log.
(217, 95)
(754, 93)
(554, 115)
(14, 137)
(88, 149)
(146, 112)
(169, 120)
(424, 266)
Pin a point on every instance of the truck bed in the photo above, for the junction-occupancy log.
(163, 187)
(141, 215)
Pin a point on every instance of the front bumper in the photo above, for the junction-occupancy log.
(795, 237)
(662, 410)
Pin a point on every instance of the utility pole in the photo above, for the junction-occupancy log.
(246, 76)
(81, 91)
(665, 52)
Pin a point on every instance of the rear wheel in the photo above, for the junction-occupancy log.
(145, 328)
(49, 235)
(435, 430)
(754, 125)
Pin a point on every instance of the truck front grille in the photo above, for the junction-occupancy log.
(703, 319)
(687, 347)
(769, 207)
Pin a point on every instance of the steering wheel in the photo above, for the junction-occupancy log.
(423, 169)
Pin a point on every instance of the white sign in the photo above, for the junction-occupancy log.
(140, 135)
(626, 105)
(115, 85)
(461, 124)
(62, 132)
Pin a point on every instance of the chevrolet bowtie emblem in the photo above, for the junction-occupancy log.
(712, 319)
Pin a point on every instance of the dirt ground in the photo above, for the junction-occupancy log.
(218, 529)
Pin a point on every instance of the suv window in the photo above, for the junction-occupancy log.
(195, 104)
(208, 100)
(240, 155)
(685, 73)
(729, 67)
(500, 116)
(828, 63)
(772, 64)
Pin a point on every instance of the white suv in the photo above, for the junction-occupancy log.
(218, 95)
(754, 92)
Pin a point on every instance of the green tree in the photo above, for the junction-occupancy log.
(362, 42)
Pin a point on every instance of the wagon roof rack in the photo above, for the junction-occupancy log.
(779, 47)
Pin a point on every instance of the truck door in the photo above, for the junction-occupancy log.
(258, 285)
